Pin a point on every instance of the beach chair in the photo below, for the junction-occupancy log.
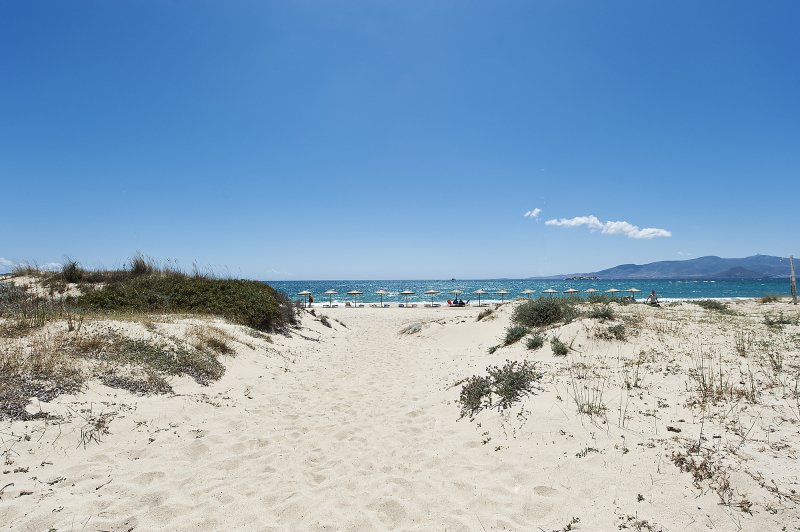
(385, 305)
(400, 305)
(449, 303)
(347, 304)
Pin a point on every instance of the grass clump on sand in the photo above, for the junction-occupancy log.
(534, 342)
(487, 313)
(712, 304)
(560, 349)
(543, 312)
(770, 298)
(40, 374)
(780, 320)
(509, 383)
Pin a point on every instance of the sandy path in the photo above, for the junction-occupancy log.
(356, 431)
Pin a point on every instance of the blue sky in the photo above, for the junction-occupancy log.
(398, 140)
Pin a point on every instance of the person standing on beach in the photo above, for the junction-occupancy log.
(310, 299)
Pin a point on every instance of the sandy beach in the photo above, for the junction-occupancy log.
(358, 426)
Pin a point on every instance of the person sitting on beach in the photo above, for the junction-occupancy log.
(652, 298)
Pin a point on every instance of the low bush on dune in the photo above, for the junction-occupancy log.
(543, 312)
(769, 298)
(48, 365)
(508, 383)
(249, 303)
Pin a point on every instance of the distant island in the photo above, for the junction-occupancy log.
(711, 267)
(582, 278)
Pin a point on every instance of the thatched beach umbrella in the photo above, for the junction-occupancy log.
(382, 293)
(612, 291)
(549, 291)
(633, 292)
(591, 290)
(431, 293)
(407, 293)
(355, 294)
(479, 292)
(528, 292)
(330, 296)
(502, 293)
(571, 291)
(305, 294)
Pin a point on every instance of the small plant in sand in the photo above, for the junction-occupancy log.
(588, 380)
(586, 451)
(602, 313)
(712, 304)
(780, 320)
(743, 342)
(705, 471)
(617, 331)
(770, 298)
(509, 383)
(560, 349)
(535, 342)
(323, 319)
(96, 427)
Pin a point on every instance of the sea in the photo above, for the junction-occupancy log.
(666, 290)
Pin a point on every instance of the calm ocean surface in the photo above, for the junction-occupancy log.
(667, 290)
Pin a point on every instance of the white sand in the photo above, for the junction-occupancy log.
(357, 428)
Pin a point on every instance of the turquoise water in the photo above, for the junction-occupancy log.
(667, 290)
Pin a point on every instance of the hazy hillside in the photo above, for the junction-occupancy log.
(708, 267)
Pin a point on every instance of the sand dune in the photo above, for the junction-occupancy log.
(356, 427)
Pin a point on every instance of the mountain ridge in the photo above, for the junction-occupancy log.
(708, 267)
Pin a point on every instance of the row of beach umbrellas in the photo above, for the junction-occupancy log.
(550, 291)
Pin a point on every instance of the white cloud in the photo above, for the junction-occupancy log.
(6, 263)
(52, 266)
(534, 213)
(611, 228)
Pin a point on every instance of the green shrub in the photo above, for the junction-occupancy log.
(598, 299)
(250, 303)
(474, 393)
(515, 333)
(770, 298)
(560, 349)
(509, 383)
(543, 312)
(535, 342)
(602, 313)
